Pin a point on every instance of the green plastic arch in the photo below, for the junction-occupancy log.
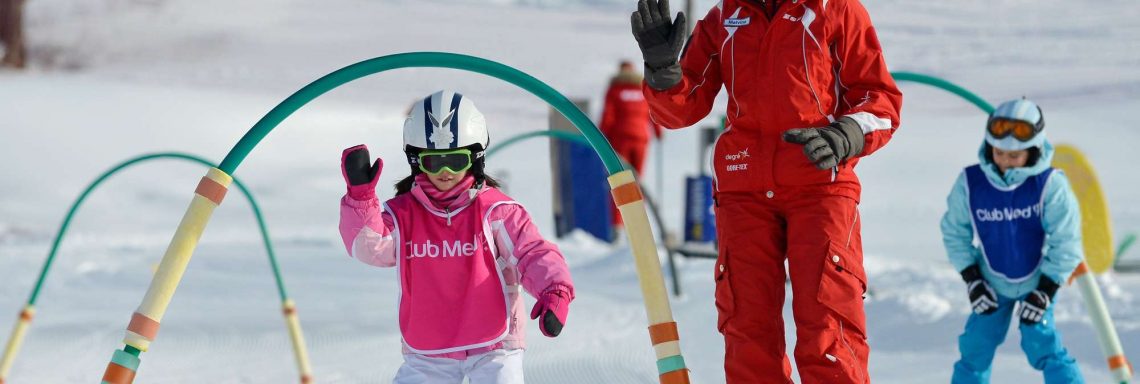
(422, 59)
(945, 85)
(560, 135)
(144, 158)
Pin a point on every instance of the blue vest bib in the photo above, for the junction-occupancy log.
(1008, 223)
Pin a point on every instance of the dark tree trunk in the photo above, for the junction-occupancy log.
(12, 33)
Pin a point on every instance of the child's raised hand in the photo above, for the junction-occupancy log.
(360, 176)
(553, 306)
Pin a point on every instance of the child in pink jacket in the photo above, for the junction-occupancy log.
(462, 249)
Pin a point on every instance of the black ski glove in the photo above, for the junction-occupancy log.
(360, 176)
(660, 40)
(1034, 305)
(982, 298)
(827, 146)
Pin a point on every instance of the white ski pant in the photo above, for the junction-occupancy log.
(501, 366)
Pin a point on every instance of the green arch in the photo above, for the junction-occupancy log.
(421, 59)
(945, 85)
(560, 135)
(140, 159)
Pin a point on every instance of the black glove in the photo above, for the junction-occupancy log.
(660, 41)
(358, 173)
(982, 298)
(827, 146)
(1034, 305)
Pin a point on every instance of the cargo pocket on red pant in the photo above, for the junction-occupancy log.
(724, 297)
(841, 287)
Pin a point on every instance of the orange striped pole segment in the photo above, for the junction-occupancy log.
(663, 330)
(147, 319)
(16, 340)
(1107, 338)
(121, 369)
(145, 322)
(666, 344)
(300, 352)
(1082, 269)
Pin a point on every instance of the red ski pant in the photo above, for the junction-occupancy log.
(818, 236)
(633, 151)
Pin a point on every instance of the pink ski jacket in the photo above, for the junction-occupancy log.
(461, 257)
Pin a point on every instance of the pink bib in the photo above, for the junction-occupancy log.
(452, 294)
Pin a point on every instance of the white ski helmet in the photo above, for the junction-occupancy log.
(1020, 110)
(446, 120)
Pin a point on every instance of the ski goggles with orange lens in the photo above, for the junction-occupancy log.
(1021, 130)
(433, 163)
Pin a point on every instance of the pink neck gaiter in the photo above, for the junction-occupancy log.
(445, 199)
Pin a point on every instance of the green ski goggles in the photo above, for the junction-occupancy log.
(456, 161)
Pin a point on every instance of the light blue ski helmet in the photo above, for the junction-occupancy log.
(1017, 110)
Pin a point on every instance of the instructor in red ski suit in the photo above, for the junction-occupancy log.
(808, 95)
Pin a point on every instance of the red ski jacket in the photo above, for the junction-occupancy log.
(813, 62)
(625, 115)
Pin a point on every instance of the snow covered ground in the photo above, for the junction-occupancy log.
(112, 79)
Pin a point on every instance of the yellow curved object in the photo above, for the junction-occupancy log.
(177, 257)
(627, 196)
(300, 352)
(18, 332)
(1096, 223)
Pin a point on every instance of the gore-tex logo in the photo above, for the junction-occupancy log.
(789, 17)
(444, 249)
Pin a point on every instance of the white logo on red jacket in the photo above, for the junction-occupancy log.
(444, 249)
(736, 157)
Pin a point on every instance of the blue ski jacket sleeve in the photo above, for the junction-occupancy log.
(1061, 216)
(958, 227)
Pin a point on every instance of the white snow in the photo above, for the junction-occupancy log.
(113, 79)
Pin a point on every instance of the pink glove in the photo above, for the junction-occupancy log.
(553, 306)
(358, 174)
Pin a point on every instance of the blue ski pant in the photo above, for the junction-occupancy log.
(1041, 343)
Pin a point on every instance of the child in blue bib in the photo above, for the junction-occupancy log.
(1013, 231)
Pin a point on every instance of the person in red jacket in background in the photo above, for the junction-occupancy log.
(625, 122)
(809, 94)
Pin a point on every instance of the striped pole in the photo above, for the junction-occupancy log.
(1105, 330)
(145, 322)
(299, 350)
(662, 329)
(16, 340)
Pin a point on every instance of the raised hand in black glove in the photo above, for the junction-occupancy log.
(1034, 305)
(360, 176)
(982, 298)
(660, 41)
(827, 146)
